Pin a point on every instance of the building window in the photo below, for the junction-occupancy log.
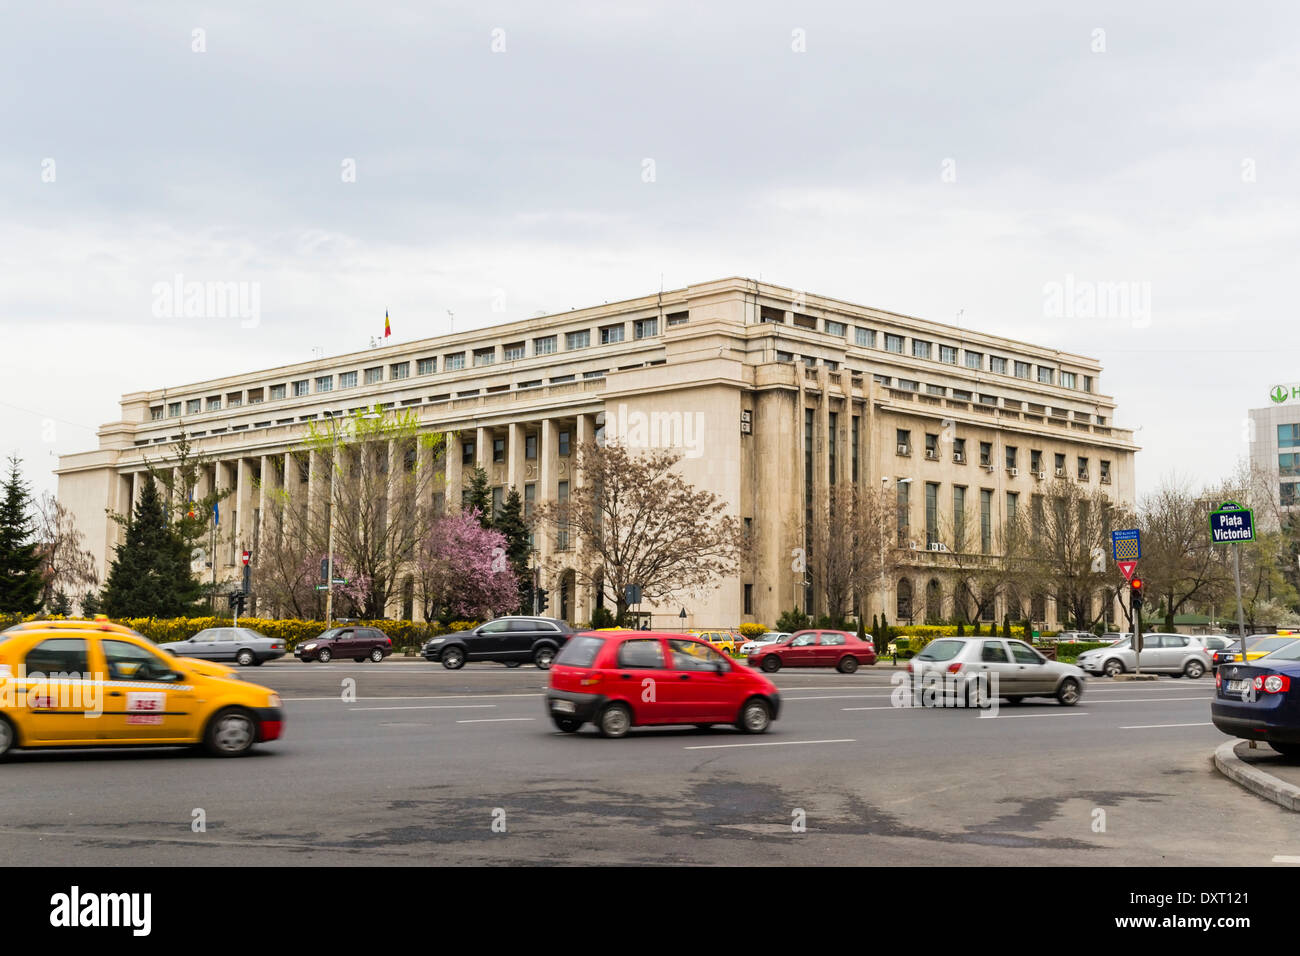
(997, 364)
(920, 349)
(1105, 472)
(347, 380)
(831, 446)
(936, 390)
(498, 499)
(1067, 380)
(577, 340)
(1087, 383)
(498, 450)
(467, 453)
(1013, 503)
(399, 370)
(908, 385)
(278, 391)
(1288, 436)
(545, 346)
(454, 362)
(959, 517)
(597, 373)
(986, 453)
(749, 599)
(1011, 456)
(948, 354)
(156, 413)
(1045, 375)
(214, 404)
(836, 328)
(1082, 470)
(986, 521)
(173, 409)
(374, 375)
(513, 352)
(1060, 466)
(961, 395)
(1022, 370)
(904, 441)
(975, 360)
(678, 318)
(564, 443)
(855, 448)
(562, 536)
(865, 337)
(959, 450)
(530, 447)
(644, 328)
(611, 334)
(325, 383)
(1287, 493)
(931, 514)
(1035, 460)
(893, 343)
(485, 356)
(931, 445)
(193, 406)
(300, 388)
(425, 366)
(903, 504)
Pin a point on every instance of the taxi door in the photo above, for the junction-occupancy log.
(144, 698)
(54, 692)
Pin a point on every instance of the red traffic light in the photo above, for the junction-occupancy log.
(1136, 584)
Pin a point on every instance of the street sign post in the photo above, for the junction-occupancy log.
(1126, 547)
(1127, 568)
(1233, 524)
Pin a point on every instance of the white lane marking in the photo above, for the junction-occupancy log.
(493, 720)
(1153, 726)
(891, 707)
(839, 697)
(426, 697)
(1276, 859)
(1147, 700)
(777, 743)
(988, 716)
(431, 707)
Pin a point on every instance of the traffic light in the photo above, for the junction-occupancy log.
(238, 601)
(1136, 592)
(543, 596)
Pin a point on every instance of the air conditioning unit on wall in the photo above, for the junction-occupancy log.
(1013, 472)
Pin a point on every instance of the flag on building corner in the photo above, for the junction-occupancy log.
(388, 329)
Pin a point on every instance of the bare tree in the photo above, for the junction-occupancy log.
(67, 567)
(638, 521)
(1180, 566)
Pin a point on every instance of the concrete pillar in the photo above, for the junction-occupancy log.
(454, 469)
(515, 457)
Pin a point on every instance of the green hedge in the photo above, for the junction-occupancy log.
(292, 631)
(1069, 653)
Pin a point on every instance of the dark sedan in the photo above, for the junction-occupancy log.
(1260, 700)
(242, 645)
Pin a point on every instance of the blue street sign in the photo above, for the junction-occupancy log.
(1232, 523)
(1126, 545)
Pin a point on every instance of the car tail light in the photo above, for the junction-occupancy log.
(1273, 684)
(954, 668)
(911, 669)
(1218, 680)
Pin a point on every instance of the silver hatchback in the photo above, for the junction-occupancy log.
(1013, 669)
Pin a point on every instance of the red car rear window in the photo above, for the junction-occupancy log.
(580, 651)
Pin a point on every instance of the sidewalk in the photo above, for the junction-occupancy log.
(1262, 771)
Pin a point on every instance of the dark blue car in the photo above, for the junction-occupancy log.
(1261, 700)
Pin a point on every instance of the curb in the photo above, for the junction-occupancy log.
(1252, 778)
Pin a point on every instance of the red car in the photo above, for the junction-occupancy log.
(623, 679)
(815, 648)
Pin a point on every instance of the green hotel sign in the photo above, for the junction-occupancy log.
(1281, 394)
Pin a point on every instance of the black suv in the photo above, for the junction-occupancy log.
(507, 640)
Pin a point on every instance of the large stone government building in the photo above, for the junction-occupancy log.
(763, 389)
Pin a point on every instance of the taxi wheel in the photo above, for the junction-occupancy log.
(231, 733)
(8, 736)
(771, 663)
(615, 720)
(569, 725)
(453, 658)
(377, 655)
(324, 656)
(848, 665)
(244, 658)
(755, 717)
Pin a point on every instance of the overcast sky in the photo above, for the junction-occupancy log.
(930, 159)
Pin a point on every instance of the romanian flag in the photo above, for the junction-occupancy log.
(388, 329)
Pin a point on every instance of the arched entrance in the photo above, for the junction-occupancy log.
(933, 602)
(904, 603)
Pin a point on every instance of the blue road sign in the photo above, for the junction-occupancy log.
(1126, 545)
(1232, 523)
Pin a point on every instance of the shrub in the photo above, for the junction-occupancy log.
(792, 620)
(752, 631)
(601, 617)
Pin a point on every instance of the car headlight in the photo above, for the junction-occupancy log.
(436, 640)
(273, 700)
(309, 647)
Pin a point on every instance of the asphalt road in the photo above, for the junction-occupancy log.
(425, 761)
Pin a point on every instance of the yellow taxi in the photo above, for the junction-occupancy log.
(93, 683)
(1257, 646)
(726, 641)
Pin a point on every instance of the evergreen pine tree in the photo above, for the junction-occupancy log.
(862, 628)
(150, 575)
(1006, 625)
(875, 627)
(510, 522)
(91, 604)
(20, 565)
(60, 604)
(480, 497)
